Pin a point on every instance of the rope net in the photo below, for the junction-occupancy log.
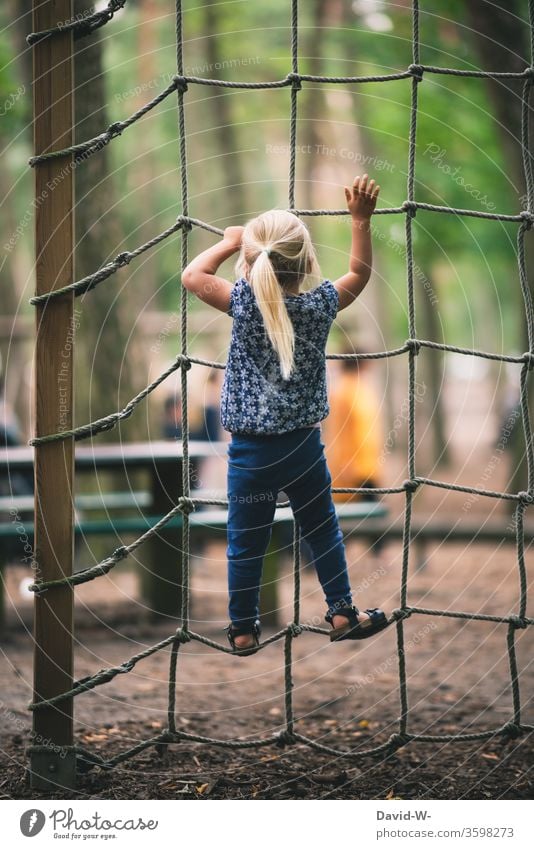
(186, 504)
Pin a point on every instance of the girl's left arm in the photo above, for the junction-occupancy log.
(200, 275)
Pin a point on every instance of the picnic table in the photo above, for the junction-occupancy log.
(130, 512)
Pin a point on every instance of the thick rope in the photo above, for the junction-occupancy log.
(80, 26)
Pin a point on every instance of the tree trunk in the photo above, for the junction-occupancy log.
(311, 103)
(16, 269)
(432, 372)
(20, 13)
(142, 177)
(227, 139)
(105, 317)
(362, 144)
(500, 37)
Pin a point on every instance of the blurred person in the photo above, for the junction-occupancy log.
(172, 417)
(353, 432)
(209, 428)
(10, 433)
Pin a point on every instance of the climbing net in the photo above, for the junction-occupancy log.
(186, 504)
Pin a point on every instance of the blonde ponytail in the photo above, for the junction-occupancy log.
(270, 300)
(276, 256)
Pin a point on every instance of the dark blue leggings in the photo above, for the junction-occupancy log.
(258, 468)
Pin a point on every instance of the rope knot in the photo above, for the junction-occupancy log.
(525, 498)
(529, 73)
(528, 359)
(123, 259)
(120, 553)
(184, 223)
(183, 636)
(167, 736)
(187, 505)
(512, 729)
(397, 741)
(401, 613)
(185, 362)
(414, 346)
(410, 207)
(285, 738)
(410, 486)
(528, 218)
(180, 83)
(37, 589)
(417, 72)
(296, 82)
(518, 622)
(114, 130)
(294, 629)
(127, 666)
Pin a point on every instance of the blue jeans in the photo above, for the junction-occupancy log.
(258, 468)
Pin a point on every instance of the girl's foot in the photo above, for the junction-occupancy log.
(244, 640)
(339, 621)
(350, 624)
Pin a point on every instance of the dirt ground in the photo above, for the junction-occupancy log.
(345, 695)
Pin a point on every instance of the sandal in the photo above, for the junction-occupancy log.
(233, 631)
(355, 630)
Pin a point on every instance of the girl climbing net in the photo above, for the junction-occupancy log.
(274, 398)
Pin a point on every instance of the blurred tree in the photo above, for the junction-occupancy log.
(142, 175)
(312, 103)
(224, 130)
(500, 36)
(16, 265)
(110, 375)
(431, 370)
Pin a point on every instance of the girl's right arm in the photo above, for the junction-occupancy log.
(361, 202)
(200, 275)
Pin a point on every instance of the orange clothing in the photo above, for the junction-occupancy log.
(352, 433)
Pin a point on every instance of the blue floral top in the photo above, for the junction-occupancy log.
(255, 397)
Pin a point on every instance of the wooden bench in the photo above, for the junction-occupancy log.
(205, 524)
(161, 575)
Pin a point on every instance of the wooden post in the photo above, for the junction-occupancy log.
(161, 577)
(52, 761)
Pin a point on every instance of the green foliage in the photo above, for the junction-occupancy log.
(15, 101)
(460, 160)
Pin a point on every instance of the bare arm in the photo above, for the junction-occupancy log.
(200, 275)
(361, 201)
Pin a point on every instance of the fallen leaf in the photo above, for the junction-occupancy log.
(334, 777)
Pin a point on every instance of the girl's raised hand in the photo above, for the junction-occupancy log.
(361, 197)
(234, 236)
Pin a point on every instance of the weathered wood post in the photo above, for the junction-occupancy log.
(52, 760)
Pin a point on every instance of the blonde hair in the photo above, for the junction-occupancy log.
(277, 253)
